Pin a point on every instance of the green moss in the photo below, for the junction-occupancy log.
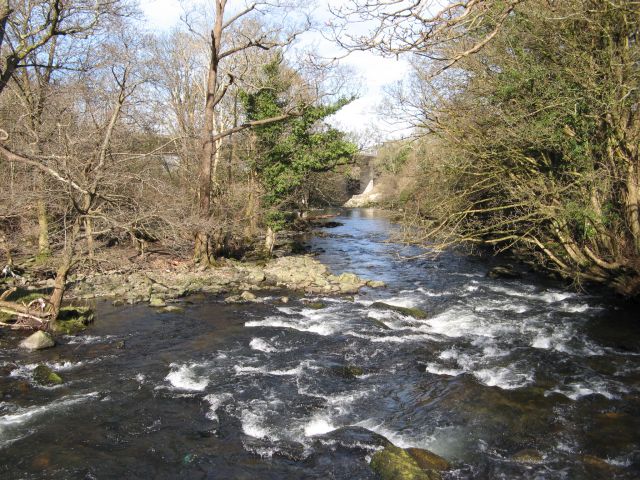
(72, 320)
(315, 305)
(394, 463)
(408, 311)
(22, 295)
(45, 376)
(428, 460)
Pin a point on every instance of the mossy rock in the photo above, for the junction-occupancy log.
(348, 371)
(428, 460)
(528, 455)
(45, 376)
(72, 320)
(315, 305)
(407, 311)
(394, 463)
(379, 323)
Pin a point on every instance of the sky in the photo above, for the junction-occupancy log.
(372, 72)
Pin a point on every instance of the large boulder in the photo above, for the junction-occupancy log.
(38, 341)
(394, 463)
(407, 311)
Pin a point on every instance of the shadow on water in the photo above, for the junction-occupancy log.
(505, 378)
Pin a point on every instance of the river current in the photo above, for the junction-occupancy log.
(506, 379)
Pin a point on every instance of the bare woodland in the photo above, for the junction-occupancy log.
(203, 142)
(112, 138)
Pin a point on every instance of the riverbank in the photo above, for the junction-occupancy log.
(172, 280)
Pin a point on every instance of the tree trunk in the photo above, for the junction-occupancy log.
(88, 231)
(632, 204)
(5, 246)
(269, 241)
(201, 250)
(55, 302)
(44, 248)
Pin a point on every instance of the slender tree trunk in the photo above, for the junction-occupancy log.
(7, 250)
(201, 247)
(633, 204)
(44, 248)
(269, 241)
(55, 302)
(88, 231)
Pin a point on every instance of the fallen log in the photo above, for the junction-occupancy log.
(26, 317)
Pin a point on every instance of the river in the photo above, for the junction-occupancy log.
(506, 379)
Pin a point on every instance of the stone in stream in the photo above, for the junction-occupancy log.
(348, 371)
(73, 320)
(157, 302)
(376, 284)
(428, 460)
(528, 455)
(315, 305)
(248, 296)
(503, 271)
(45, 376)
(395, 463)
(408, 311)
(354, 438)
(172, 309)
(379, 323)
(38, 341)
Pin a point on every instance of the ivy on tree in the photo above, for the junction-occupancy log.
(290, 150)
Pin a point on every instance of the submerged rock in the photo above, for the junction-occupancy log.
(394, 463)
(428, 460)
(38, 341)
(315, 305)
(379, 323)
(527, 455)
(172, 309)
(408, 311)
(348, 371)
(503, 271)
(45, 376)
(376, 284)
(354, 438)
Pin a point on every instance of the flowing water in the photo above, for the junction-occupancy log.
(506, 379)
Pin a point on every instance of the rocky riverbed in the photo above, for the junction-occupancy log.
(159, 286)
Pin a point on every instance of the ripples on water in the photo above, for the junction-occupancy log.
(499, 367)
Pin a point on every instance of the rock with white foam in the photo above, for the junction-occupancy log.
(38, 341)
